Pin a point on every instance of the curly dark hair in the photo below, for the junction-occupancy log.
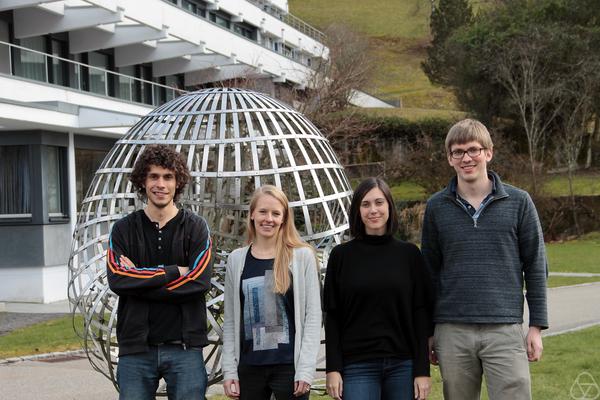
(161, 156)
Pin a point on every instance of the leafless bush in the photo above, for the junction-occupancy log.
(411, 222)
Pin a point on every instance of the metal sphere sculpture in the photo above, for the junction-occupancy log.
(234, 141)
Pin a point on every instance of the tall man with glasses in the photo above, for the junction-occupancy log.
(159, 263)
(481, 241)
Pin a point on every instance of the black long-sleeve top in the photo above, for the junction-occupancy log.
(153, 289)
(377, 300)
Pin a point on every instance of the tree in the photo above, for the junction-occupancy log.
(325, 99)
(446, 18)
(347, 67)
(523, 68)
(577, 116)
(513, 62)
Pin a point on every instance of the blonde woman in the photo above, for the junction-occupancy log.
(272, 325)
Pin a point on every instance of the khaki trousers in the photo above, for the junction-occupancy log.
(468, 351)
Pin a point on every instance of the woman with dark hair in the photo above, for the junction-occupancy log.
(377, 302)
(272, 321)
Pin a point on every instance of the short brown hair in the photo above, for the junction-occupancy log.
(468, 130)
(357, 226)
(163, 156)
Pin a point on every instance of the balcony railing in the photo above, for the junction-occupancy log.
(291, 20)
(47, 68)
(288, 19)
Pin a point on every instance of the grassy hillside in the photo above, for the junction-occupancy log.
(399, 32)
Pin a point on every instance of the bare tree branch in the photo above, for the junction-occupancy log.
(521, 69)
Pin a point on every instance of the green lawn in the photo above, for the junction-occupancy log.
(581, 255)
(564, 358)
(583, 185)
(398, 31)
(375, 18)
(415, 114)
(408, 191)
(44, 337)
(556, 281)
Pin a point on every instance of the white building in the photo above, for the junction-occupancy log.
(75, 75)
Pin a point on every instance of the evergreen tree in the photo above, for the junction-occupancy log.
(446, 17)
(528, 65)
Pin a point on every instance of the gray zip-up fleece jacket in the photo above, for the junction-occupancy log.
(307, 313)
(478, 263)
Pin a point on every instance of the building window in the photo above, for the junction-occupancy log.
(125, 84)
(195, 7)
(28, 64)
(245, 30)
(97, 77)
(144, 89)
(220, 19)
(75, 72)
(287, 51)
(175, 82)
(59, 71)
(15, 181)
(87, 163)
(55, 169)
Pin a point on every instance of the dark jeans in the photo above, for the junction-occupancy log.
(258, 382)
(378, 379)
(184, 372)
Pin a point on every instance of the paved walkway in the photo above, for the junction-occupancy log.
(571, 308)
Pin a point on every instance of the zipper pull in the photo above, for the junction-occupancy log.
(474, 222)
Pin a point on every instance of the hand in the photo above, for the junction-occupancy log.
(534, 343)
(432, 354)
(422, 387)
(301, 388)
(231, 387)
(334, 385)
(183, 270)
(126, 262)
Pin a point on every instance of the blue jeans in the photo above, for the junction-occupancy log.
(184, 372)
(378, 379)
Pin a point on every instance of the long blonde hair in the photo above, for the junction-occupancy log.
(287, 237)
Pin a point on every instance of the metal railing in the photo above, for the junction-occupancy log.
(303, 27)
(286, 18)
(55, 70)
(291, 20)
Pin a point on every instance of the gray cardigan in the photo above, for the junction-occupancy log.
(478, 264)
(307, 313)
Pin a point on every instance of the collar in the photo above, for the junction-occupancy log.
(497, 186)
(491, 176)
(177, 219)
(376, 239)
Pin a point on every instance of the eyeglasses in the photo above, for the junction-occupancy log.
(472, 152)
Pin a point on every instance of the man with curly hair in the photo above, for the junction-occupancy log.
(159, 264)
